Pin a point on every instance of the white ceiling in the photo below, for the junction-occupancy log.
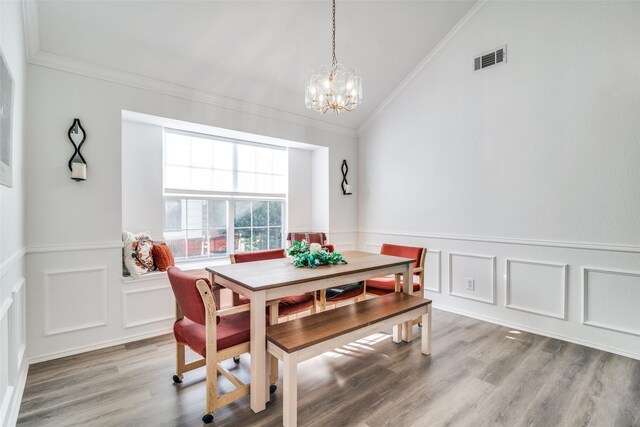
(253, 51)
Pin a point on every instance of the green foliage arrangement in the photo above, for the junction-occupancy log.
(312, 256)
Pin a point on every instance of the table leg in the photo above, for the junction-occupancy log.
(426, 332)
(407, 327)
(397, 329)
(259, 370)
(273, 361)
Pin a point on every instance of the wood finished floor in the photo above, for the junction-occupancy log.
(479, 374)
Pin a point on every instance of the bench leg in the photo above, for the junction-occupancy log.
(290, 390)
(426, 332)
(397, 333)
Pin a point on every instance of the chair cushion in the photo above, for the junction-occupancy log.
(403, 251)
(385, 285)
(288, 305)
(232, 330)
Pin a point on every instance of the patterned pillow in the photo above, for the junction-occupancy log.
(137, 253)
(162, 256)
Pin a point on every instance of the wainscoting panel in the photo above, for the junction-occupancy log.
(433, 271)
(75, 299)
(347, 246)
(374, 248)
(147, 305)
(537, 287)
(480, 268)
(6, 386)
(17, 330)
(610, 299)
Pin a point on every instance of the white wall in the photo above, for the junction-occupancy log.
(536, 159)
(74, 228)
(142, 190)
(301, 189)
(320, 215)
(12, 227)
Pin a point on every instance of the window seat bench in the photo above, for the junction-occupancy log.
(301, 339)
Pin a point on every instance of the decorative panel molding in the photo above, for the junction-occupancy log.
(17, 327)
(373, 248)
(74, 299)
(147, 305)
(433, 271)
(481, 268)
(610, 299)
(6, 386)
(537, 287)
(347, 246)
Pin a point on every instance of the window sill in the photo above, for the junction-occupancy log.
(192, 266)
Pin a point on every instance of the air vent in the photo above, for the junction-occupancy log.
(488, 59)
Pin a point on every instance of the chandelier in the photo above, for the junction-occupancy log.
(336, 88)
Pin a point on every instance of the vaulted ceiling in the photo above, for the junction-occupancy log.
(253, 51)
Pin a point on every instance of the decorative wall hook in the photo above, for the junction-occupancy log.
(346, 188)
(77, 164)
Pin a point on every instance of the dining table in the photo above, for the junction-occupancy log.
(267, 281)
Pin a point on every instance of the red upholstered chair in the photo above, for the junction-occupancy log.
(286, 306)
(216, 335)
(386, 285)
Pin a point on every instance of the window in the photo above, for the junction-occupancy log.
(222, 196)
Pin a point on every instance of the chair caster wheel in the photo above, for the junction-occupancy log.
(176, 379)
(420, 325)
(273, 388)
(207, 418)
(236, 359)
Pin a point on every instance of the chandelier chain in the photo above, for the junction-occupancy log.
(335, 61)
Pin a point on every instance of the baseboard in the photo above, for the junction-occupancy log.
(97, 346)
(538, 331)
(16, 399)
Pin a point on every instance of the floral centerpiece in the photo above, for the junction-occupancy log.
(312, 255)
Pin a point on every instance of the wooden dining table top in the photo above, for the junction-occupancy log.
(261, 275)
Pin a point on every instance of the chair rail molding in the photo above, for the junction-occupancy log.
(74, 247)
(514, 241)
(11, 261)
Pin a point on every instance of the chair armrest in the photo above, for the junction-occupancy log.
(418, 270)
(233, 310)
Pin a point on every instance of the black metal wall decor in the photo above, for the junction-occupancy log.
(77, 164)
(346, 188)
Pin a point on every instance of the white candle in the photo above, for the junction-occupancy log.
(78, 171)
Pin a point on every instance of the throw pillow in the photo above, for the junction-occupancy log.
(162, 256)
(137, 253)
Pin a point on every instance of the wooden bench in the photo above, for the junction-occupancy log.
(301, 339)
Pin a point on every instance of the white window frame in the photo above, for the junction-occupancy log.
(230, 196)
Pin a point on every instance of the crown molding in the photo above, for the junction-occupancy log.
(31, 27)
(480, 5)
(36, 56)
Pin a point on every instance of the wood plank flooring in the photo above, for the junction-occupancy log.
(479, 374)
